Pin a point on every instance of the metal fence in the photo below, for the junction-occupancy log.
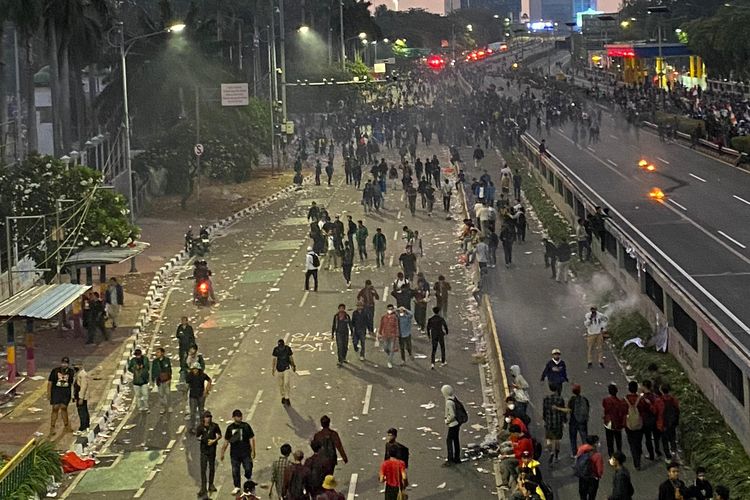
(13, 473)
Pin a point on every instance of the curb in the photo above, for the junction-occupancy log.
(109, 408)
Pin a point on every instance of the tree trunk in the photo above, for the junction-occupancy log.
(90, 108)
(66, 117)
(54, 82)
(3, 100)
(79, 102)
(32, 133)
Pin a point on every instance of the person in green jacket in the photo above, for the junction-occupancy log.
(161, 375)
(361, 236)
(138, 366)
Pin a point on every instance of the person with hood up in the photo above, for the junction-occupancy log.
(555, 370)
(454, 427)
(520, 389)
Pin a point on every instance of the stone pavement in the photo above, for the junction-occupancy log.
(535, 314)
(258, 267)
(163, 226)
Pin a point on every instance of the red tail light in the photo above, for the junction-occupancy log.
(203, 287)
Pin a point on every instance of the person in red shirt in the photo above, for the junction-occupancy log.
(509, 463)
(588, 480)
(393, 473)
(615, 410)
(667, 419)
(634, 430)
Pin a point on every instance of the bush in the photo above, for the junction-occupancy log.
(741, 143)
(684, 124)
(705, 437)
(46, 466)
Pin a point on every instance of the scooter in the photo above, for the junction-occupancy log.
(202, 292)
(197, 247)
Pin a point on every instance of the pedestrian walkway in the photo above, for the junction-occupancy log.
(258, 277)
(535, 314)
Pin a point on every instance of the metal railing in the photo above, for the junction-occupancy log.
(15, 471)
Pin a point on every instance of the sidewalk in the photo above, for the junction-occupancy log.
(535, 314)
(163, 226)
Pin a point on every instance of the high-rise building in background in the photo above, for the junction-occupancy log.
(560, 11)
(451, 5)
(583, 6)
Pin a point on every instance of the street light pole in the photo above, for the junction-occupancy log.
(126, 111)
(282, 38)
(341, 35)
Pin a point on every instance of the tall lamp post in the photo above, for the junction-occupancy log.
(660, 9)
(176, 28)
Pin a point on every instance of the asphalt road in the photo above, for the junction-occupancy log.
(258, 266)
(700, 234)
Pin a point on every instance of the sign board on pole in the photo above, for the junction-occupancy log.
(235, 94)
(390, 60)
(290, 127)
(378, 68)
(198, 149)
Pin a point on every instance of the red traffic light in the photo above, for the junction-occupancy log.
(436, 62)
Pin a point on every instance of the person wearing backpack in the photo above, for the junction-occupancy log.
(622, 487)
(312, 264)
(330, 443)
(578, 410)
(638, 409)
(455, 416)
(589, 468)
(667, 419)
(615, 410)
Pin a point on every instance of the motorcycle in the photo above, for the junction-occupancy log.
(202, 292)
(197, 247)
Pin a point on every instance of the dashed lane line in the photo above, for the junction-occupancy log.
(352, 493)
(699, 178)
(675, 203)
(731, 239)
(304, 298)
(368, 396)
(743, 200)
(254, 407)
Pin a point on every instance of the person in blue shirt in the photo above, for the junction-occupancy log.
(404, 328)
(555, 371)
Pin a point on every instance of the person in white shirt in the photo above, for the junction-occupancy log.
(596, 326)
(312, 264)
(447, 192)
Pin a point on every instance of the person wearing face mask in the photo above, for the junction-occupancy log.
(701, 489)
(404, 328)
(388, 333)
(520, 389)
(513, 417)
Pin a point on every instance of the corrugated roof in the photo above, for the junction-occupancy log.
(106, 255)
(42, 302)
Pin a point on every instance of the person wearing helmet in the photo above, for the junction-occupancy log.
(209, 434)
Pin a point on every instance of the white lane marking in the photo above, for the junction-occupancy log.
(675, 203)
(731, 239)
(139, 493)
(561, 130)
(611, 162)
(662, 160)
(399, 214)
(591, 149)
(395, 235)
(390, 262)
(385, 293)
(663, 255)
(352, 493)
(287, 336)
(696, 177)
(743, 200)
(304, 298)
(254, 407)
(614, 137)
(368, 396)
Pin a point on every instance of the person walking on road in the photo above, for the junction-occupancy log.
(388, 333)
(550, 255)
(507, 237)
(453, 419)
(185, 339)
(563, 261)
(615, 410)
(579, 411)
(405, 318)
(296, 480)
(379, 244)
(138, 367)
(283, 360)
(340, 328)
(437, 329)
(442, 287)
(517, 181)
(589, 468)
(393, 473)
(553, 413)
(114, 299)
(361, 235)
(279, 470)
(447, 190)
(638, 409)
(596, 327)
(81, 396)
(312, 264)
(622, 487)
(408, 262)
(360, 324)
(199, 387)
(347, 262)
(331, 446)
(209, 435)
(555, 371)
(397, 449)
(240, 439)
(161, 375)
(651, 433)
(667, 419)
(367, 296)
(673, 488)
(582, 239)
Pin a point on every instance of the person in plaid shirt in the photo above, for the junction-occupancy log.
(279, 470)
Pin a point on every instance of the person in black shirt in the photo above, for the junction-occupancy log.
(408, 261)
(198, 390)
(282, 361)
(59, 393)
(673, 488)
(209, 434)
(397, 450)
(340, 328)
(437, 329)
(185, 338)
(240, 439)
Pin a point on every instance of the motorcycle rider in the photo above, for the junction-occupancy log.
(201, 272)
